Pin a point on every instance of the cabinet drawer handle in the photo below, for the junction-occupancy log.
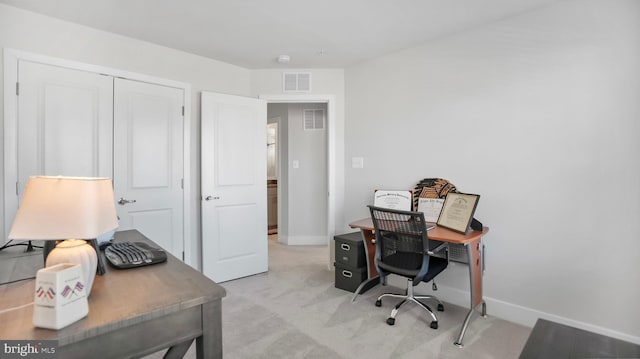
(347, 274)
(345, 247)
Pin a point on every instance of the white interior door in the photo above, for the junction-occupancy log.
(148, 161)
(64, 126)
(234, 188)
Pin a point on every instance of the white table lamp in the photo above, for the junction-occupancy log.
(71, 209)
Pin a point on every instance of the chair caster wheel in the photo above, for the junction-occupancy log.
(440, 308)
(378, 303)
(434, 325)
(392, 321)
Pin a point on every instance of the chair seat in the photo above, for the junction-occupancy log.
(436, 265)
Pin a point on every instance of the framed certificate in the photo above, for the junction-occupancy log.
(400, 200)
(431, 208)
(457, 211)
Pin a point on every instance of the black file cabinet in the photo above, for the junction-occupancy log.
(351, 263)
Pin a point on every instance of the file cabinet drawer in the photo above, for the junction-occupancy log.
(349, 278)
(350, 250)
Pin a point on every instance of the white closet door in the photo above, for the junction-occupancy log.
(65, 122)
(234, 186)
(64, 126)
(148, 161)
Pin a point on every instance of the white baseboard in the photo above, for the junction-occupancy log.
(307, 240)
(521, 315)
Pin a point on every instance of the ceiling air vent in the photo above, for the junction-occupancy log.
(296, 81)
(313, 119)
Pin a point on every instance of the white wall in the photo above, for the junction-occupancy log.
(26, 31)
(540, 115)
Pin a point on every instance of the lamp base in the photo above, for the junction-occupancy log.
(79, 252)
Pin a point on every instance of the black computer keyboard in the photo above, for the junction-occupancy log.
(124, 255)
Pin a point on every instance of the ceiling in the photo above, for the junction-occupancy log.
(252, 33)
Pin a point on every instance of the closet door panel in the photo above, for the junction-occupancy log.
(150, 141)
(148, 158)
(64, 125)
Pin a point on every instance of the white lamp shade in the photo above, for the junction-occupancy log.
(64, 208)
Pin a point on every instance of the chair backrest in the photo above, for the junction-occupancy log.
(402, 243)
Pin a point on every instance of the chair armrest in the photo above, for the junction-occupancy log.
(438, 247)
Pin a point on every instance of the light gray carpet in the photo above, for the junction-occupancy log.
(294, 311)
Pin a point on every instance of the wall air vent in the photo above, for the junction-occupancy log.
(296, 81)
(313, 119)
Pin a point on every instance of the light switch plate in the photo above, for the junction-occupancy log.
(296, 164)
(357, 162)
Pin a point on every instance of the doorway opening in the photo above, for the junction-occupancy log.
(297, 172)
(330, 151)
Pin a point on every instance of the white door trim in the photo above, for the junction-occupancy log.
(330, 100)
(11, 58)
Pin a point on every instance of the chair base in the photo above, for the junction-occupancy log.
(410, 297)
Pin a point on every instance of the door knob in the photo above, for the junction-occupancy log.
(209, 198)
(123, 201)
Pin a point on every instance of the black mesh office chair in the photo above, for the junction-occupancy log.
(403, 248)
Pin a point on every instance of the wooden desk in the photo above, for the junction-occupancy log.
(132, 312)
(471, 241)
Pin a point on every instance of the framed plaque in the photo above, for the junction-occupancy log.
(457, 211)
